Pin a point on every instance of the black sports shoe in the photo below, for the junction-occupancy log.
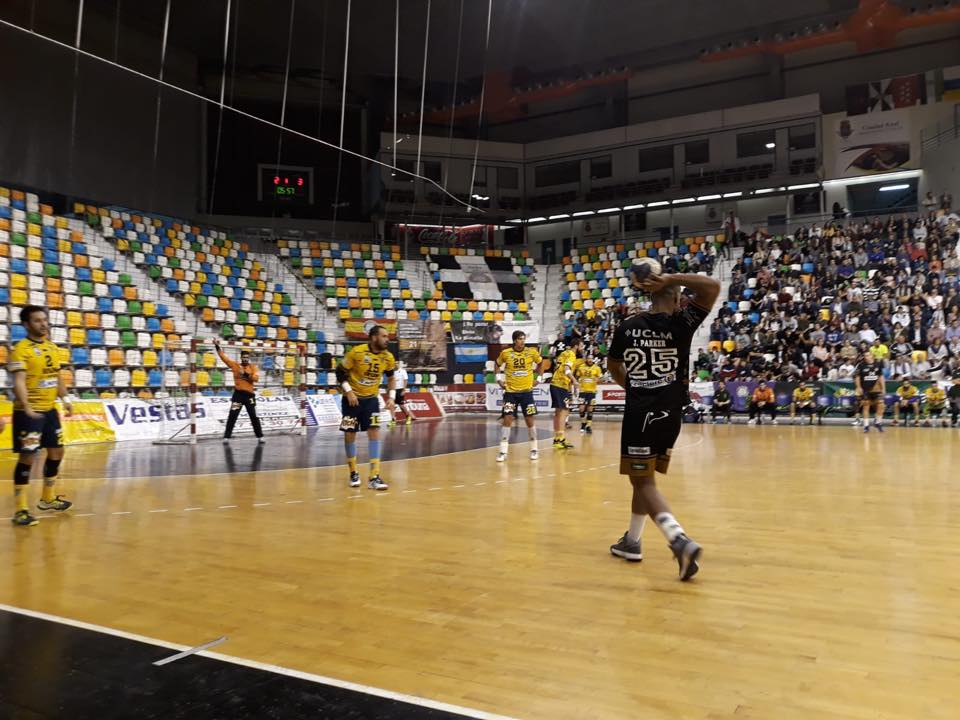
(58, 504)
(687, 553)
(627, 549)
(375, 483)
(354, 479)
(23, 517)
(589, 430)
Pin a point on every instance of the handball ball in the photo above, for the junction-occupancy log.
(642, 268)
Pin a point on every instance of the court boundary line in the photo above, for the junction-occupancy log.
(265, 667)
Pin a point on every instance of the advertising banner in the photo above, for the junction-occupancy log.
(476, 331)
(872, 143)
(360, 329)
(461, 398)
(423, 344)
(541, 396)
(323, 410)
(530, 328)
(423, 405)
(87, 424)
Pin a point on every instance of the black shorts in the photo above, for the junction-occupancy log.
(648, 434)
(29, 434)
(399, 399)
(522, 401)
(362, 416)
(559, 398)
(588, 398)
(873, 397)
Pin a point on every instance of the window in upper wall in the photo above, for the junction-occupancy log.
(563, 173)
(656, 158)
(508, 178)
(759, 142)
(696, 152)
(601, 167)
(803, 137)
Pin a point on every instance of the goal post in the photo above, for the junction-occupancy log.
(194, 400)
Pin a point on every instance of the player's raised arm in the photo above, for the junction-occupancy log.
(705, 289)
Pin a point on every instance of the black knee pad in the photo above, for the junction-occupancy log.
(51, 468)
(21, 474)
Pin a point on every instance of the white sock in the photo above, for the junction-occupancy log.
(504, 434)
(532, 432)
(669, 526)
(636, 526)
(504, 447)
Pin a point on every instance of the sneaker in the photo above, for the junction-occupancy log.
(687, 553)
(562, 445)
(627, 549)
(409, 419)
(878, 426)
(534, 454)
(261, 440)
(375, 483)
(501, 456)
(354, 479)
(589, 430)
(773, 422)
(226, 441)
(58, 504)
(583, 428)
(23, 517)
(866, 428)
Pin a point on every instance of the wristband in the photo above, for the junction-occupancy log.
(500, 377)
(347, 387)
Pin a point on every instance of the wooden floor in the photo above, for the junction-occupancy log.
(828, 587)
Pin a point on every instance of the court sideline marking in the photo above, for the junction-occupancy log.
(266, 667)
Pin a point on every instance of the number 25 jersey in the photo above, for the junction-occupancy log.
(655, 350)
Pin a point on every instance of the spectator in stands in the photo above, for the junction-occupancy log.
(937, 356)
(900, 367)
(762, 401)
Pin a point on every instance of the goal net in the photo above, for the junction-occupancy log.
(195, 398)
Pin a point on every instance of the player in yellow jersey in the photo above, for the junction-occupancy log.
(518, 369)
(588, 372)
(908, 403)
(935, 398)
(360, 374)
(802, 401)
(561, 386)
(35, 367)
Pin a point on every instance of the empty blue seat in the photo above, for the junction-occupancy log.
(404, 284)
(17, 332)
(104, 305)
(206, 267)
(343, 304)
(6, 211)
(165, 358)
(84, 274)
(4, 296)
(153, 324)
(351, 282)
(274, 321)
(108, 264)
(50, 243)
(478, 315)
(512, 307)
(747, 293)
(48, 231)
(754, 318)
(94, 336)
(398, 304)
(379, 314)
(808, 267)
(18, 265)
(392, 274)
(206, 289)
(235, 304)
(103, 378)
(162, 310)
(278, 288)
(155, 378)
(150, 260)
(293, 334)
(116, 292)
(78, 248)
(80, 356)
(51, 256)
(262, 335)
(318, 282)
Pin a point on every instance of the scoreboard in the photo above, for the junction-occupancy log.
(287, 184)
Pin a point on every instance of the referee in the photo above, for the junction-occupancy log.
(245, 374)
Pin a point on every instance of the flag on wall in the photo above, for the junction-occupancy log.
(472, 277)
(951, 84)
(467, 354)
(887, 94)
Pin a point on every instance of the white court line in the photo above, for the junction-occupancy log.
(158, 511)
(83, 514)
(433, 489)
(261, 504)
(124, 512)
(294, 502)
(458, 486)
(324, 499)
(226, 507)
(409, 491)
(479, 484)
(276, 669)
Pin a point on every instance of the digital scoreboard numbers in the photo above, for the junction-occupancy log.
(286, 184)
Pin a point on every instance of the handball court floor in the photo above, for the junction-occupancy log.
(478, 589)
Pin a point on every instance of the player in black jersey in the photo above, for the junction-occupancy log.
(871, 388)
(648, 358)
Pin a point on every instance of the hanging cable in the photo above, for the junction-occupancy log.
(234, 110)
(483, 90)
(223, 84)
(116, 33)
(283, 110)
(453, 112)
(76, 92)
(156, 124)
(323, 71)
(423, 97)
(396, 77)
(343, 116)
